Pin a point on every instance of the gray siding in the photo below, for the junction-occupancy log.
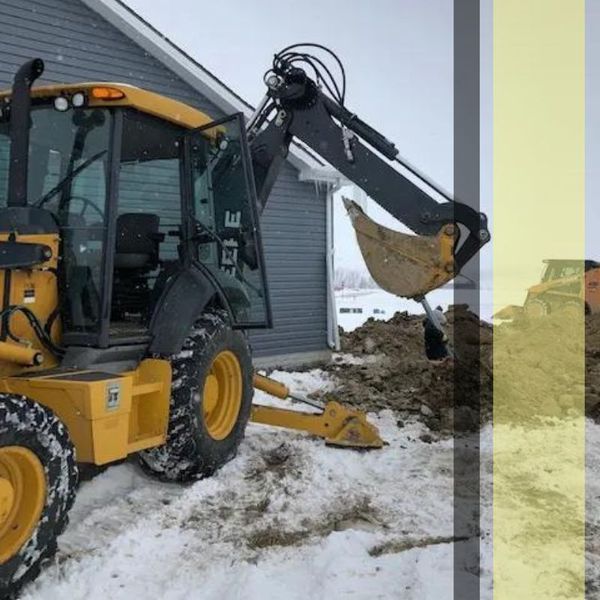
(78, 45)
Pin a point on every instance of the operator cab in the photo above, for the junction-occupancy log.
(141, 188)
(564, 268)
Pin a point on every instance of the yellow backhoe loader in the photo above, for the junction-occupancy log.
(131, 267)
(567, 287)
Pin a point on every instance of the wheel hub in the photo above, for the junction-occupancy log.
(222, 398)
(211, 394)
(22, 497)
(7, 498)
(536, 309)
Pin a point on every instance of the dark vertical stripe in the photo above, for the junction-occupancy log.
(592, 220)
(467, 388)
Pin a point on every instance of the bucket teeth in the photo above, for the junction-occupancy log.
(403, 264)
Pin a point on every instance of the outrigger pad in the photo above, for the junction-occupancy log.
(355, 432)
(402, 264)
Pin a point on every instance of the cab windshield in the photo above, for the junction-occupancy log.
(67, 162)
(67, 175)
(562, 270)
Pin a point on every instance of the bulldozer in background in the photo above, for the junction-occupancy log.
(566, 287)
(131, 268)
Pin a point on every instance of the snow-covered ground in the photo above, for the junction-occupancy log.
(288, 518)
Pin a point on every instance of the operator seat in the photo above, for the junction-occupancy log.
(137, 242)
(136, 257)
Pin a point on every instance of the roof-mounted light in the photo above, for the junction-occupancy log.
(78, 99)
(61, 103)
(107, 93)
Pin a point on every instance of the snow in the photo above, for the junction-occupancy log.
(380, 305)
(287, 518)
(301, 385)
(260, 529)
(343, 358)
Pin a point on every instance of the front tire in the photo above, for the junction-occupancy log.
(537, 309)
(38, 481)
(211, 399)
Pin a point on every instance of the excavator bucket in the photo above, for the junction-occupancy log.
(508, 313)
(402, 264)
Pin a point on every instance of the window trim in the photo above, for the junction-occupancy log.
(112, 207)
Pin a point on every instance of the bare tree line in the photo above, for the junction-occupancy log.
(353, 279)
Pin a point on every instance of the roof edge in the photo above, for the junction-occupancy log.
(198, 77)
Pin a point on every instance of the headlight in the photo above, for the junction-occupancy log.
(61, 103)
(78, 99)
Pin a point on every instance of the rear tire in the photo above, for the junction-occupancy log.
(537, 309)
(38, 477)
(211, 399)
(572, 310)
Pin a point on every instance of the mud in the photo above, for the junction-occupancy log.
(396, 546)
(360, 514)
(389, 370)
(402, 379)
(592, 367)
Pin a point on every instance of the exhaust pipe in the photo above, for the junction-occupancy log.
(19, 130)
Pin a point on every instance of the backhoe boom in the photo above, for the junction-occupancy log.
(297, 108)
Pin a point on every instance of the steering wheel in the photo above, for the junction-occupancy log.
(87, 203)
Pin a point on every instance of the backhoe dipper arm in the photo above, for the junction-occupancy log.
(296, 108)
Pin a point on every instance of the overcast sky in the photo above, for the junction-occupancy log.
(397, 54)
(399, 59)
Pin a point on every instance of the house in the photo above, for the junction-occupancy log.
(104, 40)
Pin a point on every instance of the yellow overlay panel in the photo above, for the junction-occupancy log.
(539, 356)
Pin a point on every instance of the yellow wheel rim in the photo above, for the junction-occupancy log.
(572, 311)
(536, 309)
(22, 498)
(222, 397)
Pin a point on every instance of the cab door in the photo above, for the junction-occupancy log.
(222, 231)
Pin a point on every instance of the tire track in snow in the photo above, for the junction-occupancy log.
(281, 499)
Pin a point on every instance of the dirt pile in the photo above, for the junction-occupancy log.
(388, 370)
(393, 372)
(592, 366)
(539, 369)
